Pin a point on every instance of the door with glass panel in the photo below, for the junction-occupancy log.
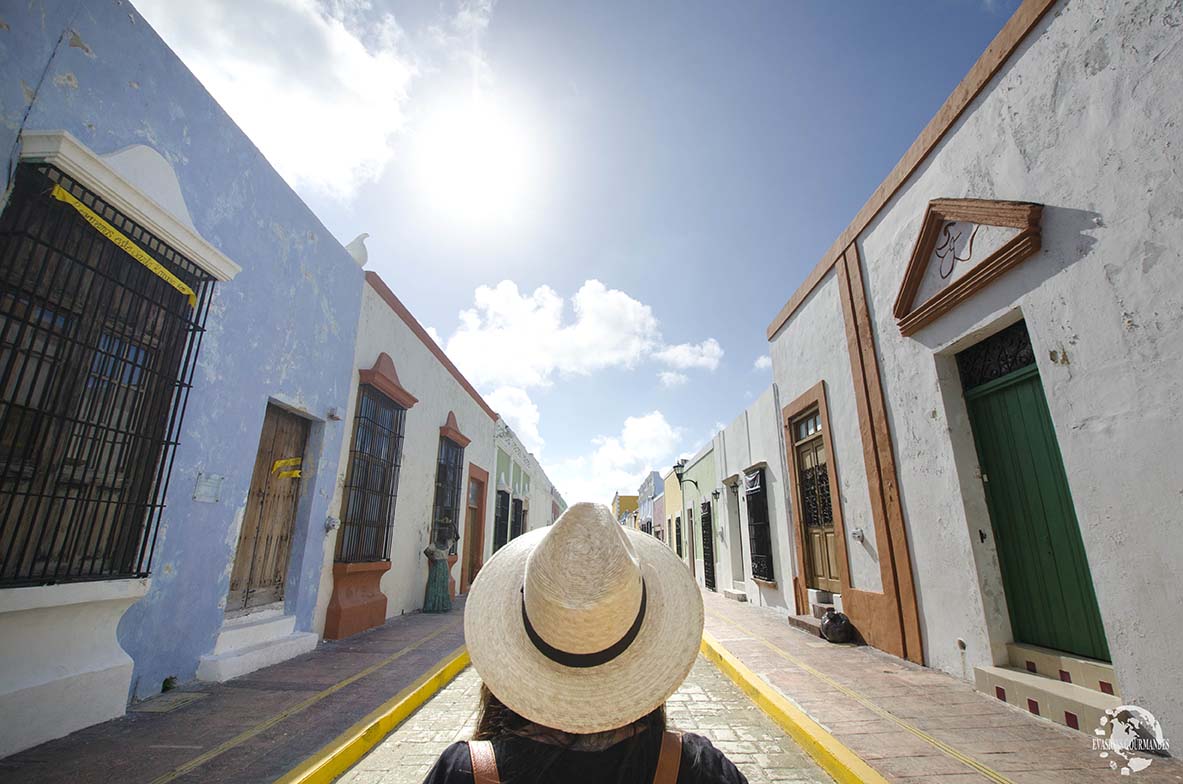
(817, 516)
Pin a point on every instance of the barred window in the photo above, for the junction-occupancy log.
(759, 532)
(444, 517)
(97, 353)
(678, 534)
(371, 483)
(501, 520)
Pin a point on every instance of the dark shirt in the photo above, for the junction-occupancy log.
(701, 763)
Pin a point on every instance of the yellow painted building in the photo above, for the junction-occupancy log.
(675, 532)
(622, 505)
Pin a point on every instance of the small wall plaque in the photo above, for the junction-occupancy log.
(208, 489)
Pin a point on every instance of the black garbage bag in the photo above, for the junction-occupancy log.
(836, 627)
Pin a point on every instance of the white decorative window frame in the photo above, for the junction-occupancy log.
(61, 149)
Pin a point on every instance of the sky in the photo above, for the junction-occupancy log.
(596, 207)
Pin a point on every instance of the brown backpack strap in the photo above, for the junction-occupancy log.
(484, 762)
(670, 759)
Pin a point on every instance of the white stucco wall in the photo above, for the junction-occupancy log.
(420, 373)
(812, 348)
(61, 665)
(1084, 119)
(753, 440)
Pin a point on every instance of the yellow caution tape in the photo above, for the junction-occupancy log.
(125, 244)
(294, 474)
(285, 463)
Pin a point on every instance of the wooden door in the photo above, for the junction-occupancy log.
(474, 537)
(1045, 574)
(813, 481)
(708, 547)
(265, 541)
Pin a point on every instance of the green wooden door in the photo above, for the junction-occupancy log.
(1044, 570)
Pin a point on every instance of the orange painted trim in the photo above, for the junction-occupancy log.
(892, 617)
(383, 291)
(1013, 33)
(451, 431)
(1024, 216)
(814, 397)
(383, 377)
(473, 557)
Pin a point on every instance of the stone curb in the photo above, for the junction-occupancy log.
(350, 746)
(833, 757)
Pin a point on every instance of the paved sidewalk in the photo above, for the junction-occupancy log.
(707, 704)
(254, 728)
(906, 710)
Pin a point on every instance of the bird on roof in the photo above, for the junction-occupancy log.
(357, 249)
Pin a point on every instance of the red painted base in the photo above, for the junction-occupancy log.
(357, 603)
(452, 559)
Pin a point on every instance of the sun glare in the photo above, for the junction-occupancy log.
(476, 163)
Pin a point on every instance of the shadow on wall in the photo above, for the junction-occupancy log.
(1066, 239)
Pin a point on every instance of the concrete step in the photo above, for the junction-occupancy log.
(1064, 703)
(1066, 667)
(735, 595)
(806, 623)
(220, 667)
(249, 630)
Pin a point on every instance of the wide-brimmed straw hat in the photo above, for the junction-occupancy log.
(583, 626)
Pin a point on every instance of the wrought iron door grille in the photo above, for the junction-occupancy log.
(759, 534)
(444, 516)
(501, 521)
(97, 355)
(1004, 352)
(371, 489)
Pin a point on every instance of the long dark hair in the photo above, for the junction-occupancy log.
(520, 760)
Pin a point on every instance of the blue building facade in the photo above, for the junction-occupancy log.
(650, 488)
(93, 78)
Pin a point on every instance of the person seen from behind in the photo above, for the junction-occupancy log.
(580, 632)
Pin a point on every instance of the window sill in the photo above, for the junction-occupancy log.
(765, 583)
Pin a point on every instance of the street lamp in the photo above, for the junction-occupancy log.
(680, 471)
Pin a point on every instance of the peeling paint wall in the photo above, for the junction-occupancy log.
(283, 329)
(1084, 119)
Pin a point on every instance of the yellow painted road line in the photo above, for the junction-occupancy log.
(939, 744)
(841, 763)
(353, 744)
(299, 707)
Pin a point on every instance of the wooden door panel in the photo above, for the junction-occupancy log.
(264, 544)
(1050, 595)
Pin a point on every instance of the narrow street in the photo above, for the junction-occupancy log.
(707, 704)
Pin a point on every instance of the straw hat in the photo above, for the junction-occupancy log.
(583, 626)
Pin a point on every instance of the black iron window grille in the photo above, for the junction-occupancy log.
(678, 535)
(517, 521)
(371, 483)
(97, 354)
(445, 525)
(759, 529)
(501, 520)
(996, 356)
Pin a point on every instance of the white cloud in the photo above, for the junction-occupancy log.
(762, 362)
(320, 87)
(670, 378)
(511, 338)
(704, 355)
(619, 463)
(515, 407)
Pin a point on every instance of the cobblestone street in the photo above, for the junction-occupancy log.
(707, 704)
